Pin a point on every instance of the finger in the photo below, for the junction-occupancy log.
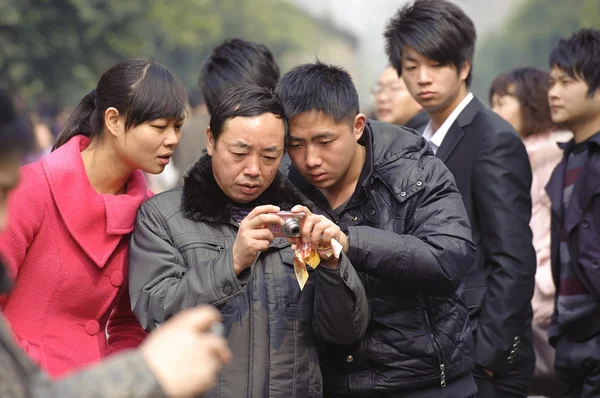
(263, 220)
(301, 209)
(218, 346)
(331, 232)
(261, 235)
(307, 227)
(321, 224)
(199, 318)
(264, 209)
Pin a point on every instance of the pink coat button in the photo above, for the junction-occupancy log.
(117, 278)
(92, 327)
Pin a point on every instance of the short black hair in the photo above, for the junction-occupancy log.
(579, 57)
(16, 130)
(237, 62)
(245, 101)
(436, 29)
(319, 87)
(195, 97)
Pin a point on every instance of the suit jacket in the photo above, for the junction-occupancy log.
(493, 174)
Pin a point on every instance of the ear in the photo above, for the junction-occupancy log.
(360, 121)
(114, 124)
(210, 141)
(464, 71)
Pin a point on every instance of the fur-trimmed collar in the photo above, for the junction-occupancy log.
(203, 199)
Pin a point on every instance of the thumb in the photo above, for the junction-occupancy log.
(199, 318)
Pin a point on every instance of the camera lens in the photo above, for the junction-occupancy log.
(291, 228)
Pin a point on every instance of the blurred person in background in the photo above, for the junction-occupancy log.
(164, 366)
(395, 105)
(70, 217)
(431, 44)
(574, 191)
(193, 136)
(521, 98)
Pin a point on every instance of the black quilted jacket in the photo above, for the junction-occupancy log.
(410, 242)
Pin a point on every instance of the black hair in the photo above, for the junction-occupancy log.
(530, 87)
(16, 130)
(436, 29)
(195, 97)
(237, 62)
(141, 90)
(245, 101)
(319, 87)
(579, 57)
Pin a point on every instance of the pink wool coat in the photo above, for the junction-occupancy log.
(66, 246)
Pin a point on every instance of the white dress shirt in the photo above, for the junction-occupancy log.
(435, 138)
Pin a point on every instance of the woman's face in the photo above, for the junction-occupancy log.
(509, 108)
(149, 146)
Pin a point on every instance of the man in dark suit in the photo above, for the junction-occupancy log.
(431, 45)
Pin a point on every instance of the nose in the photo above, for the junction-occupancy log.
(552, 93)
(313, 159)
(172, 138)
(252, 167)
(424, 76)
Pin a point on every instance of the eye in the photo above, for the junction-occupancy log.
(409, 68)
(325, 143)
(270, 158)
(159, 127)
(178, 127)
(437, 66)
(294, 146)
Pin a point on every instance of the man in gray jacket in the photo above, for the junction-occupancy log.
(210, 243)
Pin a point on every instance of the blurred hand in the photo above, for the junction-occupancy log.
(183, 355)
(254, 236)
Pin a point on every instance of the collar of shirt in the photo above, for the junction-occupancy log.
(435, 138)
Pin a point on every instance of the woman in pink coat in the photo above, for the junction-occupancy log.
(70, 218)
(521, 98)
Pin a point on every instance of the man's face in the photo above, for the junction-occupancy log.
(247, 154)
(393, 102)
(323, 150)
(9, 177)
(569, 102)
(433, 85)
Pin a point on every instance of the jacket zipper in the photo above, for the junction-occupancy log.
(437, 344)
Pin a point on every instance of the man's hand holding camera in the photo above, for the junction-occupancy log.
(254, 236)
(319, 230)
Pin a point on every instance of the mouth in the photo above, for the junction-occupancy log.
(317, 176)
(555, 108)
(164, 159)
(426, 94)
(249, 189)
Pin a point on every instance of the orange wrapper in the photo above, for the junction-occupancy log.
(306, 255)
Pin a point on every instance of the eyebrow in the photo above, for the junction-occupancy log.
(272, 148)
(320, 136)
(241, 145)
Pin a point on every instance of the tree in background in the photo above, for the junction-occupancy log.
(58, 48)
(528, 37)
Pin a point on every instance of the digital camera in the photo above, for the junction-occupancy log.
(292, 227)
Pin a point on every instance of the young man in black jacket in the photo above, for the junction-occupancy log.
(431, 45)
(574, 190)
(408, 237)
